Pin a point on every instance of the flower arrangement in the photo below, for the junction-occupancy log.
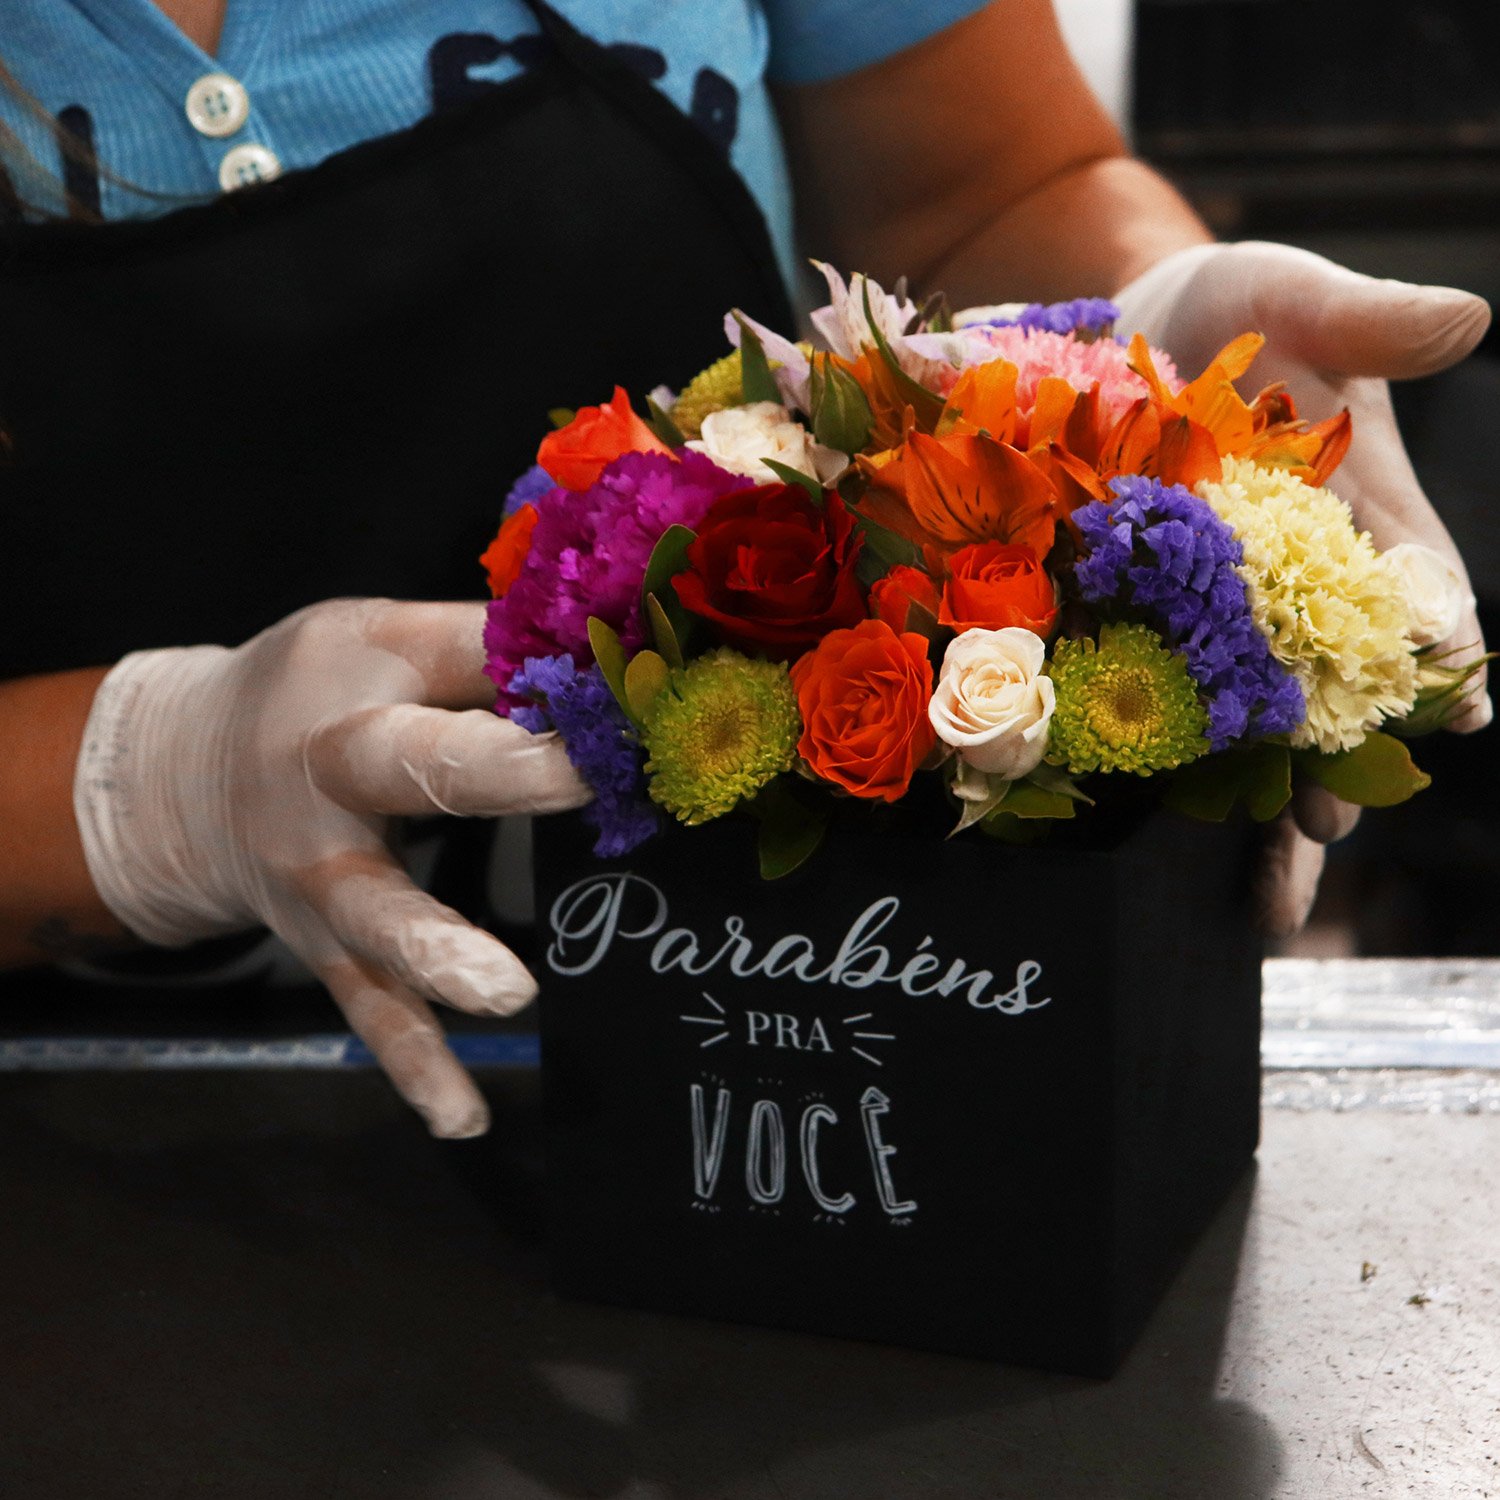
(1001, 550)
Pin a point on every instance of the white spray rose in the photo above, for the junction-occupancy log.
(993, 704)
(1435, 591)
(740, 438)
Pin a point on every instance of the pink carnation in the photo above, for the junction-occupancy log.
(588, 555)
(1036, 353)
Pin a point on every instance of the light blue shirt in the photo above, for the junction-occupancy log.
(316, 76)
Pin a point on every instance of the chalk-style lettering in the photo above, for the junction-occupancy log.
(708, 1147)
(872, 1105)
(812, 1117)
(765, 1154)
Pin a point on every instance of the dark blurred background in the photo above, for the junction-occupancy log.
(1369, 132)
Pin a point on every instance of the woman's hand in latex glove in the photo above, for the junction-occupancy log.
(1335, 338)
(221, 789)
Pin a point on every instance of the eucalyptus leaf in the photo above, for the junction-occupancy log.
(757, 382)
(1378, 772)
(790, 831)
(1209, 788)
(610, 655)
(664, 631)
(645, 677)
(668, 558)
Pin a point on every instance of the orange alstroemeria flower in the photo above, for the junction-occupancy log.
(577, 454)
(950, 491)
(506, 555)
(1266, 429)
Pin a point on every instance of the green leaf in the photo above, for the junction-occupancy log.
(1055, 779)
(788, 475)
(560, 416)
(841, 415)
(663, 631)
(1268, 780)
(1027, 800)
(927, 405)
(891, 549)
(645, 678)
(663, 426)
(668, 558)
(790, 831)
(610, 655)
(922, 621)
(1378, 772)
(1010, 829)
(976, 809)
(1260, 775)
(757, 383)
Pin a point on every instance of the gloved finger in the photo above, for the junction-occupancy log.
(401, 1031)
(444, 642)
(370, 906)
(1340, 320)
(402, 758)
(1323, 817)
(1286, 882)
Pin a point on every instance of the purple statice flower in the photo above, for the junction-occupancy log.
(531, 486)
(596, 735)
(1162, 553)
(588, 556)
(1081, 315)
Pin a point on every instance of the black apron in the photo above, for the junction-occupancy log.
(324, 384)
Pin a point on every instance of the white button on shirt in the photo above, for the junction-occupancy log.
(217, 105)
(248, 164)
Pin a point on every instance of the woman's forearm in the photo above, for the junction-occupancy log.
(48, 905)
(978, 163)
(1086, 232)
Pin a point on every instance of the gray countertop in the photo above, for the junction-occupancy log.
(267, 1282)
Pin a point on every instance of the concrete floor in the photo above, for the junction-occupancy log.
(272, 1285)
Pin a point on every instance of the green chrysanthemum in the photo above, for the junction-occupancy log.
(720, 385)
(1127, 704)
(719, 731)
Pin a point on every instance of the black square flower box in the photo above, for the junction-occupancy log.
(958, 1096)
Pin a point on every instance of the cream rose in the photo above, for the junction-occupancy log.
(992, 703)
(1436, 593)
(740, 438)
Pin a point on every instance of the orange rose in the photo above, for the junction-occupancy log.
(576, 455)
(504, 556)
(892, 597)
(994, 585)
(863, 694)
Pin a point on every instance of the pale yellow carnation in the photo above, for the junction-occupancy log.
(1332, 607)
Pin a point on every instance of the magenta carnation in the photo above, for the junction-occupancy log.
(588, 556)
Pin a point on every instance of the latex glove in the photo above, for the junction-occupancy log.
(219, 790)
(1335, 338)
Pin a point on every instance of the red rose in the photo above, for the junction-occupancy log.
(773, 571)
(993, 585)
